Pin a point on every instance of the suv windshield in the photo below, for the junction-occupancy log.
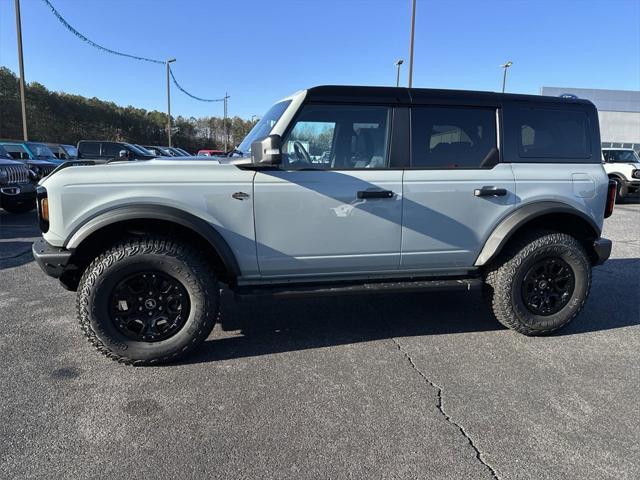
(137, 150)
(4, 153)
(71, 150)
(40, 150)
(621, 156)
(263, 127)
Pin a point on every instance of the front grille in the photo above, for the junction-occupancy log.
(17, 174)
(46, 170)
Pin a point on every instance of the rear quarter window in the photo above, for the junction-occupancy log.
(549, 134)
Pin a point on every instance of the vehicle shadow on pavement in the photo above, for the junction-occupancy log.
(273, 326)
(268, 326)
(23, 225)
(15, 254)
(16, 234)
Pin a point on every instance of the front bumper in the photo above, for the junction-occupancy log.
(602, 250)
(52, 260)
(632, 187)
(19, 191)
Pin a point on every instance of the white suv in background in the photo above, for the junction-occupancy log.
(623, 167)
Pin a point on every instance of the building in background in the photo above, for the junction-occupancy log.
(619, 112)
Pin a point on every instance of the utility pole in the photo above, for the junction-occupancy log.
(226, 129)
(413, 30)
(171, 60)
(398, 63)
(21, 66)
(504, 76)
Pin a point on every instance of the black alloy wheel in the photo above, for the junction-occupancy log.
(149, 306)
(548, 286)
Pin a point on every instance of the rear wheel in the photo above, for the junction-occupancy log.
(540, 283)
(147, 301)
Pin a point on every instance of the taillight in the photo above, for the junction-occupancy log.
(611, 198)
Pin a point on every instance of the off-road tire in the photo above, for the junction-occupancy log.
(158, 253)
(13, 205)
(503, 281)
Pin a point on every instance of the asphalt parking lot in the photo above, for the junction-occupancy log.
(404, 386)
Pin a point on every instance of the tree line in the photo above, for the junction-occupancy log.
(59, 117)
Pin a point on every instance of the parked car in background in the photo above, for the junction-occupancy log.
(183, 151)
(623, 167)
(17, 185)
(159, 151)
(176, 152)
(105, 151)
(31, 150)
(63, 151)
(19, 151)
(210, 153)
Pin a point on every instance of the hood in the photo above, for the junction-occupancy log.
(164, 170)
(8, 162)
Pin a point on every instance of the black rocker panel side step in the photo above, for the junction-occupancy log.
(306, 290)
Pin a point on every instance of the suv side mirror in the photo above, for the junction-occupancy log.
(122, 154)
(267, 151)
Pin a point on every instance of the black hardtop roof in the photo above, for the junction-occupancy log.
(409, 96)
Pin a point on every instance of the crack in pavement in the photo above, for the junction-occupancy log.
(441, 409)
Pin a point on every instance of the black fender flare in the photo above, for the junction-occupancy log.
(516, 219)
(122, 213)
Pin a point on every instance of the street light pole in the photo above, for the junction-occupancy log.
(504, 76)
(21, 66)
(413, 29)
(398, 63)
(225, 129)
(171, 60)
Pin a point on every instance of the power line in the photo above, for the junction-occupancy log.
(189, 94)
(69, 27)
(92, 43)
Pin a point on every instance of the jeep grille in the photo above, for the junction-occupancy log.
(46, 170)
(17, 174)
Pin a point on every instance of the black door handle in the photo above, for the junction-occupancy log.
(375, 194)
(490, 192)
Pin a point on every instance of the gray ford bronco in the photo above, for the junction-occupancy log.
(338, 190)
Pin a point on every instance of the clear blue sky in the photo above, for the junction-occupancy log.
(260, 51)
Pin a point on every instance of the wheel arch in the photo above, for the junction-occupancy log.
(105, 227)
(543, 215)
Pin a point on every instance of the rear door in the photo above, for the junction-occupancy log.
(455, 191)
(334, 206)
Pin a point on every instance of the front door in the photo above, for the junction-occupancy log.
(334, 207)
(456, 191)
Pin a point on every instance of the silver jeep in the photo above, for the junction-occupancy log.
(338, 189)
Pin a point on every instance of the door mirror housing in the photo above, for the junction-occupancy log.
(267, 151)
(122, 154)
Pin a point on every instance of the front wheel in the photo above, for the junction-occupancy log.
(147, 301)
(540, 283)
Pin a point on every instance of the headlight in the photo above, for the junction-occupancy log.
(35, 169)
(4, 175)
(635, 174)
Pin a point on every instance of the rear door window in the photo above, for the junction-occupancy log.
(453, 137)
(111, 149)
